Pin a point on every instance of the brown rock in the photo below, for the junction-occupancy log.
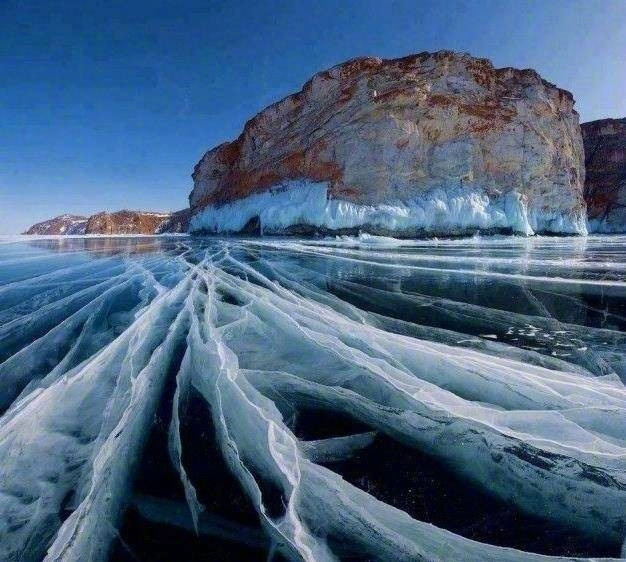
(385, 131)
(125, 222)
(120, 222)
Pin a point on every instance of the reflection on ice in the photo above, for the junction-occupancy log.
(344, 398)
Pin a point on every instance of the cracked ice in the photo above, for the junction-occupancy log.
(358, 398)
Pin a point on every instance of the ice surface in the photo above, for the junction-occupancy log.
(499, 362)
(453, 210)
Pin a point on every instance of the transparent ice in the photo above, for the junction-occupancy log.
(359, 398)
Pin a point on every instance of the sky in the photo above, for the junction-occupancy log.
(107, 105)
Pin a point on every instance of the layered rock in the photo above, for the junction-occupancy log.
(431, 143)
(63, 224)
(605, 184)
(120, 222)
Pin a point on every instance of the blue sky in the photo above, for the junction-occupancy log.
(108, 105)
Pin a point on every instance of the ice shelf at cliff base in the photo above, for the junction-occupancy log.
(287, 208)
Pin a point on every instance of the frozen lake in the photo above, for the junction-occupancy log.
(177, 398)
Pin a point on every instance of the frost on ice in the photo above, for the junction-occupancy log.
(312, 400)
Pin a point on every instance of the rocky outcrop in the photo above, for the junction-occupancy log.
(430, 143)
(125, 222)
(120, 222)
(605, 184)
(178, 221)
(63, 224)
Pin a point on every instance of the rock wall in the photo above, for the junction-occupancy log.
(430, 143)
(605, 184)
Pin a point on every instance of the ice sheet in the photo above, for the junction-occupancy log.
(503, 359)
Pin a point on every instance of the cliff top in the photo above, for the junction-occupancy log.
(607, 126)
(347, 71)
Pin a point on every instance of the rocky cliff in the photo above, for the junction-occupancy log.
(120, 222)
(605, 184)
(430, 143)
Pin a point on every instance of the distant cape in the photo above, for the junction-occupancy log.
(119, 222)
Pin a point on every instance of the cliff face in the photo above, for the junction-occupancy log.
(120, 222)
(605, 184)
(63, 224)
(439, 143)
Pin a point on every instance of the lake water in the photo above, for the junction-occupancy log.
(178, 398)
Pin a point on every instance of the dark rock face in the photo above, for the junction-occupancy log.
(63, 224)
(120, 222)
(178, 221)
(605, 184)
